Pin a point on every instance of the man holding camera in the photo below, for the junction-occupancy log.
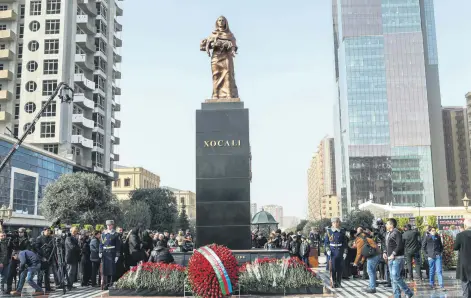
(110, 248)
(44, 248)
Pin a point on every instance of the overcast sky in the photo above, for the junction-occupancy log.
(284, 72)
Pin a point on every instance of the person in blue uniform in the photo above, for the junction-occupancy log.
(110, 247)
(335, 243)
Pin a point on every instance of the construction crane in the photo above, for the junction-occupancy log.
(66, 94)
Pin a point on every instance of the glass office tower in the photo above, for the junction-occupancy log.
(389, 133)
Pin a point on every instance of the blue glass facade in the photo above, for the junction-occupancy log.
(31, 172)
(383, 49)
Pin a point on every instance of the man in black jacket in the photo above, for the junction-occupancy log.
(5, 256)
(85, 263)
(95, 258)
(394, 254)
(433, 249)
(72, 256)
(44, 247)
(161, 254)
(412, 250)
(463, 269)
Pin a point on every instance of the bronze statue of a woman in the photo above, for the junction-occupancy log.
(221, 47)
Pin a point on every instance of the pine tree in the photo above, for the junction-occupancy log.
(183, 221)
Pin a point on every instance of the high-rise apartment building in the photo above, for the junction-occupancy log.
(45, 42)
(388, 128)
(457, 148)
(321, 181)
(276, 211)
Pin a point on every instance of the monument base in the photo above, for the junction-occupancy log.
(223, 175)
(217, 100)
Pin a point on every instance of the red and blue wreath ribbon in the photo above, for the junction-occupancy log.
(218, 267)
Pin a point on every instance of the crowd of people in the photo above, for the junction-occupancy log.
(93, 258)
(383, 252)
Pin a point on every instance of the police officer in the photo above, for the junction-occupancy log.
(109, 253)
(335, 245)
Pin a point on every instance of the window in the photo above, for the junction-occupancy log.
(19, 70)
(30, 107)
(26, 126)
(18, 91)
(51, 46)
(16, 130)
(31, 86)
(53, 148)
(3, 27)
(35, 8)
(99, 120)
(99, 82)
(22, 11)
(127, 182)
(32, 66)
(20, 51)
(34, 26)
(99, 101)
(101, 27)
(117, 183)
(50, 110)
(53, 7)
(48, 129)
(52, 26)
(17, 111)
(51, 66)
(22, 31)
(3, 46)
(76, 110)
(49, 86)
(33, 46)
(1, 66)
(97, 159)
(182, 201)
(76, 131)
(75, 151)
(3, 7)
(98, 140)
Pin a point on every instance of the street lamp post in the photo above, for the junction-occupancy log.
(466, 201)
(5, 214)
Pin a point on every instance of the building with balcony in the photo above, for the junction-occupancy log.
(45, 42)
(457, 153)
(132, 178)
(321, 181)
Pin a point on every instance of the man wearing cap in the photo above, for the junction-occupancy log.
(335, 243)
(109, 252)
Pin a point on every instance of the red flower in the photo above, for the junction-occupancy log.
(201, 274)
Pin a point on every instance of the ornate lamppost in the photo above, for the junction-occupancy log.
(5, 215)
(466, 201)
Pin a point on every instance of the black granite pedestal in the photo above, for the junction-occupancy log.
(223, 175)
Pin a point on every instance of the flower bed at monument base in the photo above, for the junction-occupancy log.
(213, 272)
(275, 277)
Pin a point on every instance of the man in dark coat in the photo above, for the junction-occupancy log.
(95, 257)
(136, 252)
(109, 252)
(44, 248)
(161, 254)
(412, 250)
(72, 256)
(5, 256)
(463, 270)
(85, 263)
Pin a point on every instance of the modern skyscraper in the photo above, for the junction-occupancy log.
(388, 128)
(45, 42)
(321, 181)
(276, 211)
(457, 148)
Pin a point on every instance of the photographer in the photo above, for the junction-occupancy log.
(72, 256)
(5, 256)
(44, 248)
(19, 241)
(29, 266)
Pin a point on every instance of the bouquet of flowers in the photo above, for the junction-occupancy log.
(266, 274)
(164, 278)
(212, 271)
(449, 259)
